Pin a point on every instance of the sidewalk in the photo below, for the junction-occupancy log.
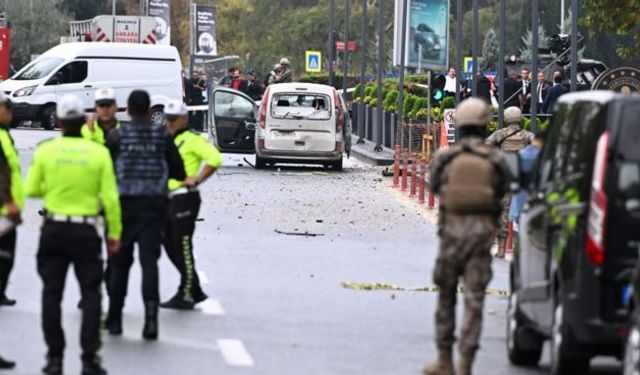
(364, 153)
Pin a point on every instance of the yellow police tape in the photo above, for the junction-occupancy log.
(433, 289)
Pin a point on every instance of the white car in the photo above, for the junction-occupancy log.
(82, 68)
(302, 123)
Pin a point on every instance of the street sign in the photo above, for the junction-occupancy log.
(450, 125)
(313, 61)
(468, 65)
(340, 46)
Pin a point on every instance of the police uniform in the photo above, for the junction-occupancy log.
(510, 139)
(75, 177)
(96, 131)
(8, 240)
(471, 178)
(184, 207)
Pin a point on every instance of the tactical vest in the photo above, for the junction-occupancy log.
(141, 166)
(514, 141)
(471, 182)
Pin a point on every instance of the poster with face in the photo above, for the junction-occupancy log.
(161, 11)
(205, 31)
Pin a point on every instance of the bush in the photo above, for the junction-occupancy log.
(449, 102)
(391, 99)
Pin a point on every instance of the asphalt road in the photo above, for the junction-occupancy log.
(277, 304)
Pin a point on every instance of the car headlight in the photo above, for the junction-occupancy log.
(24, 91)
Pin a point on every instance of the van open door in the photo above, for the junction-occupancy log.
(232, 121)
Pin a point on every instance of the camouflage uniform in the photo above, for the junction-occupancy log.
(498, 139)
(465, 251)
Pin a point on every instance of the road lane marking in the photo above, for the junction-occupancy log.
(211, 307)
(234, 353)
(204, 280)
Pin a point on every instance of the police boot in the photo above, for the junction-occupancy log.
(6, 364)
(53, 366)
(113, 323)
(93, 366)
(5, 301)
(179, 303)
(444, 366)
(199, 296)
(465, 365)
(150, 330)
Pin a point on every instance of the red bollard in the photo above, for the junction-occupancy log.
(509, 244)
(421, 182)
(405, 170)
(396, 167)
(414, 175)
(432, 200)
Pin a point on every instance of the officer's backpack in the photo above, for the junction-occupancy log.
(514, 141)
(471, 182)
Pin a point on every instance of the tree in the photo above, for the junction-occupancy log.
(85, 9)
(526, 51)
(620, 18)
(490, 51)
(36, 26)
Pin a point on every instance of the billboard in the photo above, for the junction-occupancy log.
(427, 34)
(161, 11)
(204, 23)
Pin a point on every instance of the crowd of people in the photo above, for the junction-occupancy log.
(129, 183)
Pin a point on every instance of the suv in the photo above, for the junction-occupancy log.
(577, 243)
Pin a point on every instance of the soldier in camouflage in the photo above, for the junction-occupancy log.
(510, 139)
(471, 178)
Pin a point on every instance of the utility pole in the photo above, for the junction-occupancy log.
(533, 86)
(345, 73)
(459, 16)
(574, 45)
(378, 146)
(474, 47)
(501, 63)
(403, 52)
(363, 70)
(332, 42)
(113, 7)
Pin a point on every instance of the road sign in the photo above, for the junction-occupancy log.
(450, 125)
(340, 46)
(468, 65)
(313, 61)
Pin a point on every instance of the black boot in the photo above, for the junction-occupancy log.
(5, 301)
(6, 364)
(53, 366)
(93, 366)
(179, 303)
(199, 296)
(150, 330)
(113, 323)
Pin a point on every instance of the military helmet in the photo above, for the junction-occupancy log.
(473, 112)
(512, 115)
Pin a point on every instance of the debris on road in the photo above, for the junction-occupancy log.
(305, 234)
(433, 289)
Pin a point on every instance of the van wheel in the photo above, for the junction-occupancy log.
(523, 346)
(337, 165)
(260, 163)
(158, 118)
(564, 351)
(632, 352)
(48, 118)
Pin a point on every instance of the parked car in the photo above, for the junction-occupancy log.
(81, 68)
(302, 123)
(232, 118)
(578, 239)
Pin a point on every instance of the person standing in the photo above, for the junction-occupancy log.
(286, 75)
(227, 79)
(512, 138)
(253, 88)
(196, 118)
(511, 90)
(75, 178)
(201, 160)
(145, 158)
(542, 90)
(528, 159)
(484, 87)
(274, 75)
(525, 90)
(471, 178)
(554, 94)
(13, 203)
(105, 120)
(451, 82)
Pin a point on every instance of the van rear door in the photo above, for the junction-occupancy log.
(301, 121)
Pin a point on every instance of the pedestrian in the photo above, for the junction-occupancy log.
(484, 87)
(511, 91)
(512, 138)
(227, 79)
(13, 202)
(451, 82)
(105, 119)
(75, 178)
(253, 88)
(554, 94)
(198, 86)
(145, 158)
(542, 90)
(525, 90)
(471, 178)
(274, 75)
(201, 160)
(528, 159)
(6, 364)
(238, 84)
(286, 75)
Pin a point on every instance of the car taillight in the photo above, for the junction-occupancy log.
(338, 147)
(598, 207)
(260, 144)
(262, 111)
(339, 112)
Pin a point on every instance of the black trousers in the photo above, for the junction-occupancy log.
(62, 245)
(7, 258)
(143, 221)
(178, 240)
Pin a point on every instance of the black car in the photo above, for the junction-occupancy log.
(578, 239)
(427, 41)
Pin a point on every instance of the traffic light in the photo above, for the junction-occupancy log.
(438, 81)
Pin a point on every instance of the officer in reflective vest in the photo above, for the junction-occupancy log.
(75, 177)
(201, 160)
(105, 120)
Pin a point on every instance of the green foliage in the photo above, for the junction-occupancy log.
(492, 127)
(526, 51)
(604, 17)
(449, 102)
(391, 100)
(490, 51)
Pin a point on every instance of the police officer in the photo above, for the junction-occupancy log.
(471, 179)
(201, 160)
(105, 120)
(145, 158)
(75, 177)
(512, 138)
(13, 203)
